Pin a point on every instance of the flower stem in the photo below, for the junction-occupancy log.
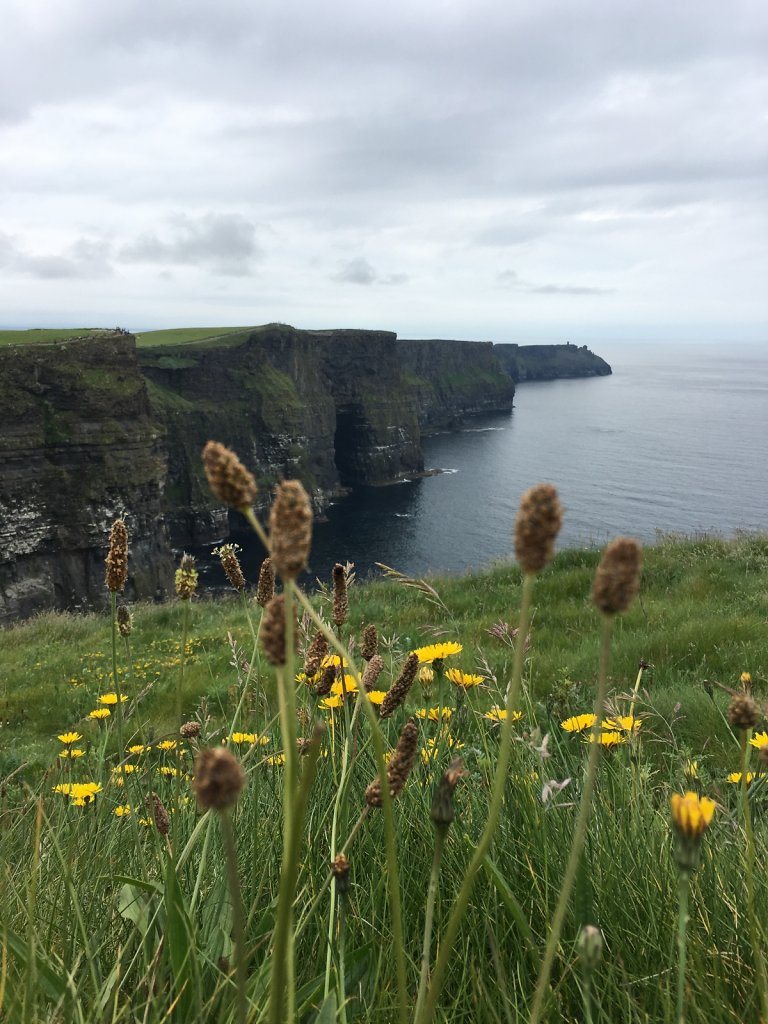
(115, 677)
(683, 884)
(754, 930)
(580, 830)
(241, 961)
(494, 809)
(434, 876)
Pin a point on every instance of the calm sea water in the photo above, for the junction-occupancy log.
(676, 441)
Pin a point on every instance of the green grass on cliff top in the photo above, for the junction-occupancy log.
(147, 339)
(702, 619)
(41, 336)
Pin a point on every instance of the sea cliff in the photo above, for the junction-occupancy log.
(550, 362)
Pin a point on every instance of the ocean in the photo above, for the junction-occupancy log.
(675, 441)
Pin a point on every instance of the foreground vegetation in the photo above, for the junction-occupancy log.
(126, 901)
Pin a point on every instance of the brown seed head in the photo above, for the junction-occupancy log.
(373, 670)
(399, 767)
(399, 689)
(370, 644)
(190, 730)
(325, 682)
(743, 712)
(231, 565)
(124, 623)
(186, 578)
(340, 597)
(160, 814)
(290, 529)
(536, 527)
(117, 557)
(272, 632)
(265, 588)
(228, 478)
(617, 580)
(218, 778)
(340, 872)
(316, 651)
(443, 811)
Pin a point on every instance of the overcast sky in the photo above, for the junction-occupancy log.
(539, 170)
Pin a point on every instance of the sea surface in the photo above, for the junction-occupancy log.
(676, 440)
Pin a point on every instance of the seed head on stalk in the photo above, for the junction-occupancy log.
(537, 525)
(290, 529)
(117, 557)
(228, 478)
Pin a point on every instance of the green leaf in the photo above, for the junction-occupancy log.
(513, 907)
(53, 984)
(327, 1012)
(134, 906)
(180, 943)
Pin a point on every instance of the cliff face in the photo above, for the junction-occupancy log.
(550, 362)
(449, 380)
(327, 407)
(78, 448)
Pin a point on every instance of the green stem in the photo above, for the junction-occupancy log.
(115, 677)
(426, 949)
(754, 929)
(682, 943)
(342, 981)
(580, 830)
(241, 956)
(497, 798)
(586, 996)
(635, 692)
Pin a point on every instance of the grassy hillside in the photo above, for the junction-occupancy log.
(37, 335)
(185, 335)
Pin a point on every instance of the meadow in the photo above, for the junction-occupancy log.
(524, 862)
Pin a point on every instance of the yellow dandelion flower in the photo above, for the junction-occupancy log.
(497, 714)
(167, 770)
(608, 739)
(692, 769)
(436, 652)
(166, 745)
(760, 740)
(111, 698)
(735, 777)
(138, 748)
(349, 685)
(463, 679)
(377, 696)
(123, 810)
(745, 679)
(69, 737)
(240, 737)
(622, 723)
(84, 790)
(72, 752)
(125, 769)
(146, 822)
(333, 659)
(331, 703)
(275, 760)
(434, 714)
(100, 713)
(691, 814)
(578, 723)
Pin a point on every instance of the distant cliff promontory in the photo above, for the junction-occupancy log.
(95, 427)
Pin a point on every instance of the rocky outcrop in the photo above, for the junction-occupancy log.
(78, 448)
(450, 380)
(550, 362)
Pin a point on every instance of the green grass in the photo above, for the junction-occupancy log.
(38, 335)
(102, 921)
(185, 335)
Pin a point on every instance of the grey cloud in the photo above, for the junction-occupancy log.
(87, 258)
(223, 243)
(395, 279)
(356, 271)
(511, 279)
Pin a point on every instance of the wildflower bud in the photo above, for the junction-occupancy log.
(590, 946)
(340, 598)
(231, 565)
(373, 670)
(617, 580)
(124, 623)
(643, 665)
(117, 557)
(746, 679)
(443, 811)
(340, 872)
(160, 814)
(399, 689)
(316, 651)
(537, 524)
(399, 767)
(218, 778)
(265, 588)
(290, 529)
(691, 815)
(326, 681)
(370, 645)
(743, 712)
(273, 633)
(186, 578)
(426, 675)
(190, 730)
(228, 478)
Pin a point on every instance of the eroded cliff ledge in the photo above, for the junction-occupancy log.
(550, 362)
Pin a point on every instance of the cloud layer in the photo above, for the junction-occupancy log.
(493, 170)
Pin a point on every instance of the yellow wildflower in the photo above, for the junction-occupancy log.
(123, 810)
(463, 679)
(100, 713)
(622, 723)
(745, 679)
(331, 703)
(760, 740)
(138, 748)
(608, 739)
(349, 685)
(692, 769)
(578, 723)
(166, 745)
(434, 714)
(691, 814)
(111, 698)
(497, 714)
(735, 777)
(436, 652)
(275, 760)
(426, 675)
(377, 696)
(69, 737)
(72, 752)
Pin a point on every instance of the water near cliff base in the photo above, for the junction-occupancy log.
(676, 440)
